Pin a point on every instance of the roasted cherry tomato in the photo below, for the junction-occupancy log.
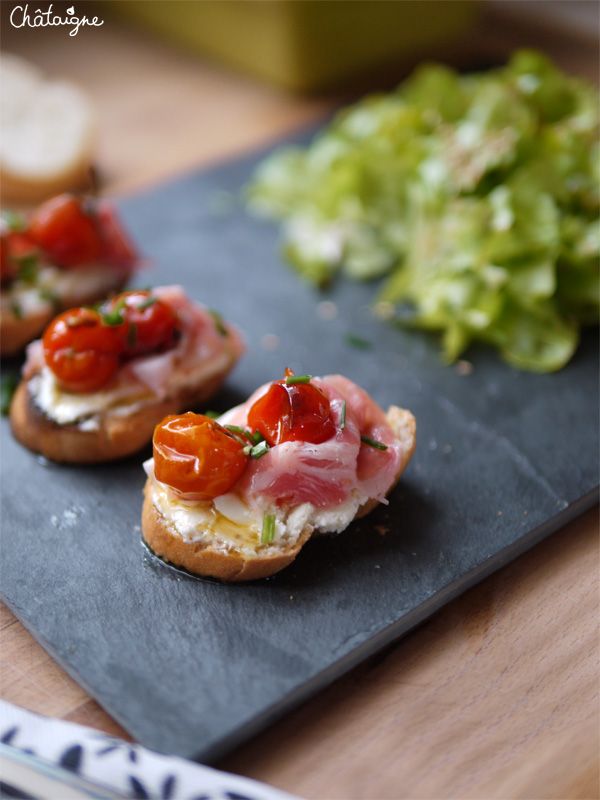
(81, 350)
(298, 411)
(67, 230)
(194, 455)
(117, 247)
(19, 255)
(151, 323)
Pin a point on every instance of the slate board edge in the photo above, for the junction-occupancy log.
(377, 642)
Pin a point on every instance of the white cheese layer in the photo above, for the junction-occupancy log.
(66, 408)
(229, 524)
(75, 284)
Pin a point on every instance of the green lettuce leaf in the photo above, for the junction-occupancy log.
(478, 196)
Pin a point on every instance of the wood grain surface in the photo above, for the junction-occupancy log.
(497, 695)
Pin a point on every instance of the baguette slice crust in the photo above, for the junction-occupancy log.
(210, 562)
(117, 435)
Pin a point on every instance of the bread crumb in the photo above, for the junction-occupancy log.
(499, 513)
(382, 529)
(377, 566)
(291, 597)
(463, 367)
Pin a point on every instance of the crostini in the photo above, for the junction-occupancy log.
(70, 251)
(238, 497)
(99, 381)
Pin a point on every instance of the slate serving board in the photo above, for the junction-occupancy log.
(192, 667)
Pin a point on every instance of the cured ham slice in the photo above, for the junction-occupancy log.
(325, 474)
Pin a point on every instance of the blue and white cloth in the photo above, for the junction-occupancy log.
(38, 753)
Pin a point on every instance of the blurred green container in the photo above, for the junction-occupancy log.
(303, 45)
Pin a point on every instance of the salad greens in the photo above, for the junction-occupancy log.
(477, 195)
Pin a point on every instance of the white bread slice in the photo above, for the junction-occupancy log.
(47, 134)
(211, 560)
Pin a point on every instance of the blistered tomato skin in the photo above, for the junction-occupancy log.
(197, 457)
(67, 231)
(81, 351)
(151, 323)
(299, 412)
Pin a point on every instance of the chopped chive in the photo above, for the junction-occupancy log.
(13, 221)
(259, 450)
(131, 336)
(236, 429)
(343, 419)
(212, 414)
(268, 529)
(50, 297)
(8, 386)
(16, 309)
(292, 379)
(255, 438)
(373, 443)
(357, 341)
(115, 315)
(218, 322)
(28, 267)
(149, 301)
(247, 449)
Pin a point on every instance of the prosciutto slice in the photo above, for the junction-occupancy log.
(325, 474)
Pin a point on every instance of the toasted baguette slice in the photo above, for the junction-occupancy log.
(116, 436)
(48, 134)
(207, 560)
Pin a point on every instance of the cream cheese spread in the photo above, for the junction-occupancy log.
(228, 523)
(75, 284)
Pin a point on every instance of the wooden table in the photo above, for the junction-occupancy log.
(496, 696)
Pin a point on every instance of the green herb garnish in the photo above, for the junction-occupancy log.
(13, 221)
(116, 315)
(373, 443)
(212, 414)
(27, 267)
(343, 417)
(218, 318)
(268, 529)
(50, 297)
(259, 450)
(16, 309)
(292, 379)
(357, 341)
(8, 385)
(149, 301)
(236, 429)
(131, 338)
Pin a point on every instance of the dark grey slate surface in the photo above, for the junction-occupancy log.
(192, 667)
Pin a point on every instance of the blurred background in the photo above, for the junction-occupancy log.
(179, 83)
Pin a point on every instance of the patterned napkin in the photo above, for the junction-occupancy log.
(74, 752)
